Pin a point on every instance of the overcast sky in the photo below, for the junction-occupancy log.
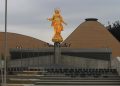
(29, 17)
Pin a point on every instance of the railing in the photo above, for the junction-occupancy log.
(82, 72)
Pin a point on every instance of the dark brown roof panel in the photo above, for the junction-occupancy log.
(92, 34)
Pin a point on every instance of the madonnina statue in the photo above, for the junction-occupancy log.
(57, 22)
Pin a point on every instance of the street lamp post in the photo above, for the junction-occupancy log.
(5, 58)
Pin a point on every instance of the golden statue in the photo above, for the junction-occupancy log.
(57, 21)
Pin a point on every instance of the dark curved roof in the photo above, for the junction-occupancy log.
(91, 19)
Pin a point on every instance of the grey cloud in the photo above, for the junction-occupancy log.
(32, 14)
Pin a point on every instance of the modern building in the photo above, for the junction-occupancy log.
(91, 45)
(18, 41)
(89, 56)
(92, 34)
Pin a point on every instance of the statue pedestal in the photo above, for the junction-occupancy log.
(57, 53)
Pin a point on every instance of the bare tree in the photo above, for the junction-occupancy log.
(115, 30)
